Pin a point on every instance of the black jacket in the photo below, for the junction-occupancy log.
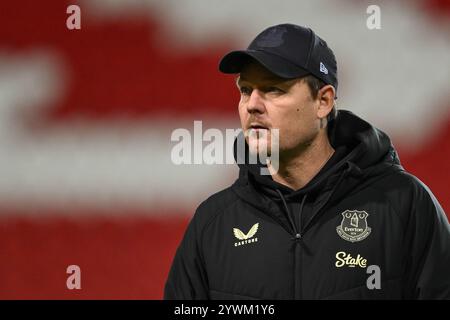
(259, 239)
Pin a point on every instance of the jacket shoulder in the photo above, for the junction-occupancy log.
(408, 194)
(213, 206)
(408, 184)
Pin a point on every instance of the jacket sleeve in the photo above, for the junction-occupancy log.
(428, 234)
(187, 278)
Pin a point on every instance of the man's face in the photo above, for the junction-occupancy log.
(269, 102)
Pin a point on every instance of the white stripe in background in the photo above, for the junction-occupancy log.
(100, 166)
(383, 77)
(396, 77)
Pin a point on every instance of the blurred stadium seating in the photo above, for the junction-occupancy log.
(86, 117)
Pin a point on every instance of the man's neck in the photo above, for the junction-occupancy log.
(296, 171)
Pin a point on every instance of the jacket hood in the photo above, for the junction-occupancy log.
(363, 153)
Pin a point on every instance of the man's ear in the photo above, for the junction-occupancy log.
(325, 96)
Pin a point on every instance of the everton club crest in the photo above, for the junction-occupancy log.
(353, 227)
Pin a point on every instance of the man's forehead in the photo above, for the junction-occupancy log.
(255, 71)
(262, 78)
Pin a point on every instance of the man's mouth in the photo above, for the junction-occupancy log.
(258, 130)
(257, 126)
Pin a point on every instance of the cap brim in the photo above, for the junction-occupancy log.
(234, 62)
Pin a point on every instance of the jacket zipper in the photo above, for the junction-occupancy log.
(298, 259)
(298, 247)
(296, 238)
(299, 296)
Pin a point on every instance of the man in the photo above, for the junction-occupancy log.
(339, 219)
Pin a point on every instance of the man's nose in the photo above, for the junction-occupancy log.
(256, 102)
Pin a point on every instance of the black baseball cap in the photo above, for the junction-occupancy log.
(288, 51)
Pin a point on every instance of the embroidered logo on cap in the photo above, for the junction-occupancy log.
(272, 38)
(323, 69)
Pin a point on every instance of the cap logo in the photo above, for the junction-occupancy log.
(323, 69)
(272, 38)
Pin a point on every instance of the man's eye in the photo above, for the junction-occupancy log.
(245, 90)
(275, 89)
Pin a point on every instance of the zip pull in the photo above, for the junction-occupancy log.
(297, 237)
(288, 213)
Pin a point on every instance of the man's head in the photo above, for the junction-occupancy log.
(288, 81)
(289, 105)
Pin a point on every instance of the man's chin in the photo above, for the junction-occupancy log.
(259, 152)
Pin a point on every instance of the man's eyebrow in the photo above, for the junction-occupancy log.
(272, 79)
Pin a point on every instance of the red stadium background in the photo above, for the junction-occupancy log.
(86, 117)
